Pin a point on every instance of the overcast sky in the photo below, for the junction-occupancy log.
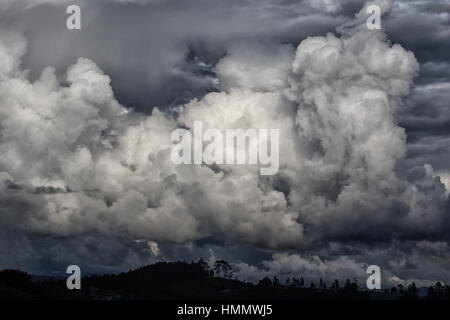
(86, 118)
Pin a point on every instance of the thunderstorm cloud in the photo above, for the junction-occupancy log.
(86, 118)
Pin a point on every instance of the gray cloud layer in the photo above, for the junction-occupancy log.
(85, 179)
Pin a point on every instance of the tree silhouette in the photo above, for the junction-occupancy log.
(288, 281)
(264, 283)
(205, 267)
(430, 292)
(336, 284)
(181, 280)
(354, 285)
(275, 282)
(351, 287)
(347, 284)
(412, 290)
(221, 267)
(439, 288)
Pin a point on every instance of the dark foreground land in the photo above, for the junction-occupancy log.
(194, 281)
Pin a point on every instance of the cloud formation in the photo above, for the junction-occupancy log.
(77, 165)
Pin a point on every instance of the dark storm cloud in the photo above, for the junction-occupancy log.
(422, 28)
(426, 118)
(433, 72)
(109, 200)
(152, 43)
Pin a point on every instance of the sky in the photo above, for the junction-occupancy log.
(86, 118)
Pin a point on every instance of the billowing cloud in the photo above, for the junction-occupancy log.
(77, 165)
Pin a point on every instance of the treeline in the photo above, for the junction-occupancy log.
(197, 280)
(18, 285)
